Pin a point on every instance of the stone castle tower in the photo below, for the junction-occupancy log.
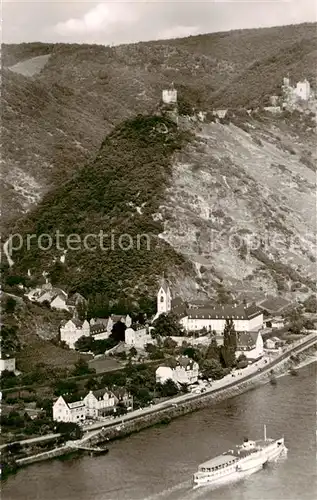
(169, 106)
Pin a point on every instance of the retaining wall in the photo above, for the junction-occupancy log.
(57, 452)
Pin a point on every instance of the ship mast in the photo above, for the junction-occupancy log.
(264, 432)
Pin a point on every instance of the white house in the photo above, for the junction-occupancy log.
(69, 412)
(7, 364)
(59, 302)
(72, 330)
(250, 344)
(164, 373)
(98, 402)
(277, 322)
(138, 338)
(302, 90)
(186, 371)
(273, 343)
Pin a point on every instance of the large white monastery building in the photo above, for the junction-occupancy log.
(212, 318)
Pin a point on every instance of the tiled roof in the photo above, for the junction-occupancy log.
(75, 299)
(98, 328)
(224, 312)
(184, 362)
(247, 339)
(99, 394)
(120, 392)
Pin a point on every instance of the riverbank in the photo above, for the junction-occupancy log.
(195, 403)
(163, 413)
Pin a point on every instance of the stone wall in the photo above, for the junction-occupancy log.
(57, 452)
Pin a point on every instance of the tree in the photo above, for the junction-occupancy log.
(167, 325)
(229, 344)
(169, 388)
(295, 320)
(69, 429)
(91, 384)
(98, 306)
(224, 297)
(82, 368)
(310, 304)
(142, 396)
(242, 361)
(81, 309)
(212, 350)
(133, 352)
(169, 344)
(10, 305)
(84, 344)
(118, 331)
(211, 368)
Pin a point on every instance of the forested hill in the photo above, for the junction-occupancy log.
(60, 106)
(117, 193)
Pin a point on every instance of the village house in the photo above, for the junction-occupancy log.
(94, 404)
(69, 412)
(122, 397)
(99, 402)
(60, 302)
(75, 301)
(250, 344)
(273, 343)
(185, 371)
(72, 330)
(98, 328)
(138, 338)
(275, 322)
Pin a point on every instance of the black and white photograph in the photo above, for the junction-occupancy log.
(158, 309)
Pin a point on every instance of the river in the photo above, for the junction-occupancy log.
(157, 463)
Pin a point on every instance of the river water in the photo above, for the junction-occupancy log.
(157, 463)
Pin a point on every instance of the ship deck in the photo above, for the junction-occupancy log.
(218, 461)
(235, 454)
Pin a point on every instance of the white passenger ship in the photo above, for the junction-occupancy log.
(239, 462)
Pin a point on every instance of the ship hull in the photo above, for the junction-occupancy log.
(230, 476)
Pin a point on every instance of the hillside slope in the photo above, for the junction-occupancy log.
(230, 203)
(60, 115)
(242, 205)
(116, 194)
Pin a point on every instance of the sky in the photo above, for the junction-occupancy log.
(115, 22)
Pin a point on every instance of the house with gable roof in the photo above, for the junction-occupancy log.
(72, 330)
(99, 402)
(250, 344)
(183, 371)
(64, 411)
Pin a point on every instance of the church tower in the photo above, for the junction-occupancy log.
(164, 299)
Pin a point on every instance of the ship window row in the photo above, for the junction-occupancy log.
(218, 467)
